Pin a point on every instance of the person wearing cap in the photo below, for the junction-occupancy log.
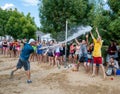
(23, 59)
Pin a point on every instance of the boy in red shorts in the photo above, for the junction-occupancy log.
(97, 57)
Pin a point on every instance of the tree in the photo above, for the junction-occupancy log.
(20, 26)
(107, 21)
(114, 5)
(54, 13)
(114, 26)
(16, 24)
(4, 16)
(13, 26)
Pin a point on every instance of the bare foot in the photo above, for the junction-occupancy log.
(93, 75)
(105, 78)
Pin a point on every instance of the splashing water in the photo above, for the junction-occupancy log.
(78, 32)
(72, 34)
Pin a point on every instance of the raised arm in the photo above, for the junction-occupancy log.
(98, 33)
(91, 35)
(87, 39)
(77, 41)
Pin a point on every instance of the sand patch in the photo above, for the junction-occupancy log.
(51, 80)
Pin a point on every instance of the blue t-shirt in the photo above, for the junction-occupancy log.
(26, 51)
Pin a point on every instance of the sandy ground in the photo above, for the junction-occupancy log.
(51, 80)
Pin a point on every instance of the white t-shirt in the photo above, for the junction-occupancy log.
(115, 64)
(57, 50)
(0, 43)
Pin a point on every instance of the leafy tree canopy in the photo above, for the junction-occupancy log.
(54, 13)
(16, 24)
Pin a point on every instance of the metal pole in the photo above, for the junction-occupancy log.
(66, 43)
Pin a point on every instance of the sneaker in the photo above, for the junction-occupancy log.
(11, 74)
(29, 81)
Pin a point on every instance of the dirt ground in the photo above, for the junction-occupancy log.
(51, 80)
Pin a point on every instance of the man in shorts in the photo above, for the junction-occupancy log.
(97, 57)
(83, 52)
(113, 64)
(23, 59)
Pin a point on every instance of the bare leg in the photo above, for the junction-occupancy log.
(88, 67)
(78, 65)
(12, 72)
(28, 74)
(114, 70)
(51, 60)
(94, 68)
(57, 61)
(85, 66)
(97, 70)
(103, 70)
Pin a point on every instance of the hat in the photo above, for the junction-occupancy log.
(31, 40)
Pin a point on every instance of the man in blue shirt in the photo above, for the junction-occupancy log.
(23, 59)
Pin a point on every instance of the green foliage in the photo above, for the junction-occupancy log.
(4, 16)
(107, 22)
(16, 24)
(101, 20)
(114, 28)
(54, 13)
(104, 52)
(115, 5)
(13, 26)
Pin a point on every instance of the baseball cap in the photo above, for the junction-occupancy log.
(31, 40)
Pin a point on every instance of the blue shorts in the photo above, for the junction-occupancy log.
(40, 52)
(50, 54)
(23, 63)
(83, 59)
(97, 65)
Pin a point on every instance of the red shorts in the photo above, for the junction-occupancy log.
(97, 60)
(89, 60)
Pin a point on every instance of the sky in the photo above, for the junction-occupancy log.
(24, 6)
(27, 6)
